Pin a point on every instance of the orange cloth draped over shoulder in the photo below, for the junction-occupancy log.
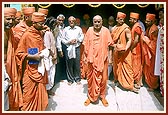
(122, 62)
(20, 28)
(150, 45)
(96, 51)
(137, 52)
(15, 93)
(35, 96)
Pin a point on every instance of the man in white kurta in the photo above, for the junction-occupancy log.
(49, 43)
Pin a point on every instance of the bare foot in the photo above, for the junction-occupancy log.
(104, 102)
(87, 102)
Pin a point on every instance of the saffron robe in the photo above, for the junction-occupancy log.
(19, 30)
(35, 97)
(96, 51)
(148, 69)
(122, 62)
(15, 94)
(137, 53)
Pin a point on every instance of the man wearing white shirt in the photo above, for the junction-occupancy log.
(60, 74)
(72, 38)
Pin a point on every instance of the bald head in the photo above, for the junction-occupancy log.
(97, 23)
(97, 17)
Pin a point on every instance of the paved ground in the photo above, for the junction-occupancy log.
(70, 99)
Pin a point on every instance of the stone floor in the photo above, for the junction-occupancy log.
(70, 99)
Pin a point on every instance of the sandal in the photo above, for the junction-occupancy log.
(87, 102)
(104, 102)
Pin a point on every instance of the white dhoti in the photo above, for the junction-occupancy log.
(51, 74)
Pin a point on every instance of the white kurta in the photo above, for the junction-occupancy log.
(49, 43)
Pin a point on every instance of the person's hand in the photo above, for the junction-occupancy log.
(60, 53)
(120, 47)
(54, 59)
(35, 57)
(51, 53)
(10, 84)
(74, 41)
(146, 39)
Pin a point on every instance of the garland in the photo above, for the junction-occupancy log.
(68, 5)
(94, 5)
(119, 6)
(44, 5)
(143, 5)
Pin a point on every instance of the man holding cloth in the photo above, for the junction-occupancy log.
(35, 97)
(72, 38)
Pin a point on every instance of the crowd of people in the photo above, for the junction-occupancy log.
(39, 49)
